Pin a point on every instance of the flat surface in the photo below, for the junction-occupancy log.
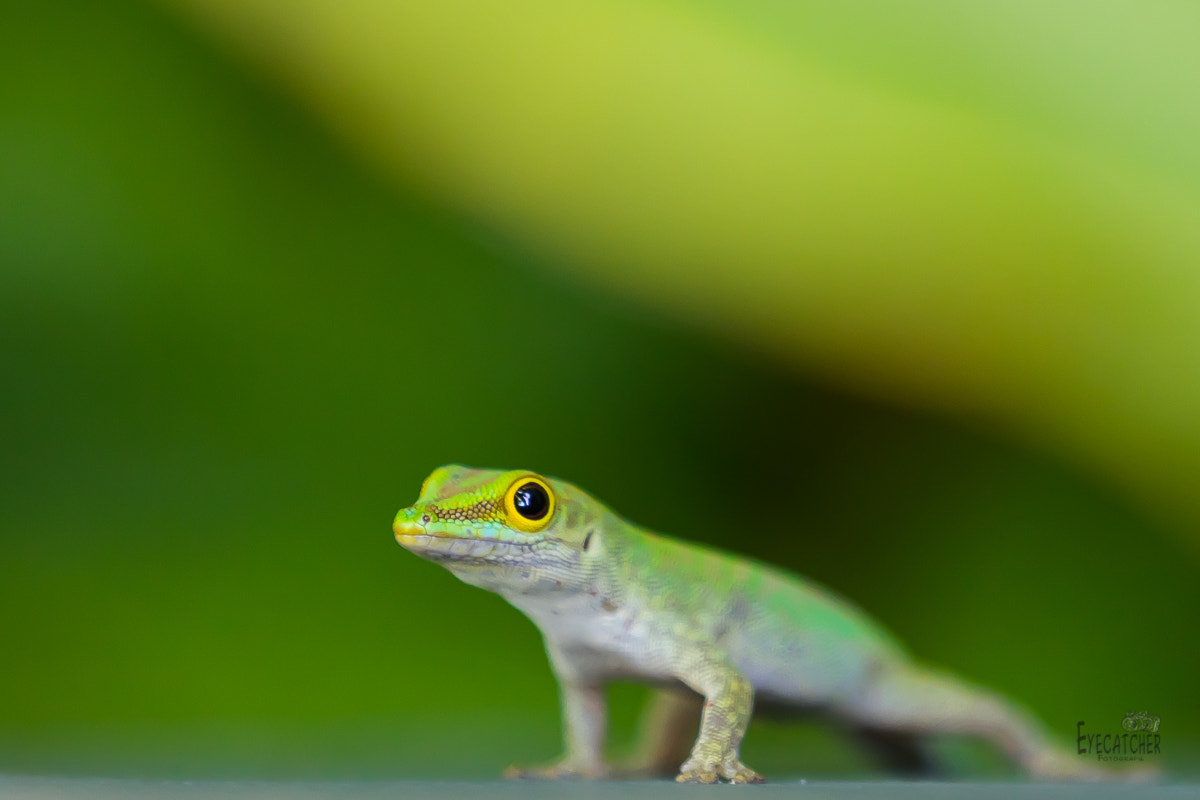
(38, 788)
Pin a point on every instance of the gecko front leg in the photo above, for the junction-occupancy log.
(585, 723)
(728, 703)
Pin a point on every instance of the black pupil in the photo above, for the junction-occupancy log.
(531, 501)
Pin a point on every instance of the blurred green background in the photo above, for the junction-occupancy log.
(237, 330)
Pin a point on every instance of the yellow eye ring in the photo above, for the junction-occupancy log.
(529, 504)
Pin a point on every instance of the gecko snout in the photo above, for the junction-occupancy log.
(407, 527)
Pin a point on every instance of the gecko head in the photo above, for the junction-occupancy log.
(499, 529)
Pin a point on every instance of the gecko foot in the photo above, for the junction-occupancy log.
(561, 771)
(710, 771)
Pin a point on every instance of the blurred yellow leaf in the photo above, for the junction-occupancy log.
(993, 210)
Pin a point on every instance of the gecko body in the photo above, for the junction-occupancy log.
(713, 631)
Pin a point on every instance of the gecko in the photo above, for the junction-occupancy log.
(715, 634)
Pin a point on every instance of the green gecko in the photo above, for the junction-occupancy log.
(615, 602)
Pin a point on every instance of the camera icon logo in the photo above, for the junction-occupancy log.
(1140, 721)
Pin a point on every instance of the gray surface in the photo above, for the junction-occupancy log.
(36, 788)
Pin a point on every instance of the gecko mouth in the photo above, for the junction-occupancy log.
(462, 550)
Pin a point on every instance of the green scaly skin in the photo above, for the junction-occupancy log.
(615, 602)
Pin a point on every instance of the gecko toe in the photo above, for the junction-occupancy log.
(745, 775)
(735, 771)
(697, 776)
(562, 771)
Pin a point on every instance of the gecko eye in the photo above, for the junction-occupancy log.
(528, 504)
(531, 501)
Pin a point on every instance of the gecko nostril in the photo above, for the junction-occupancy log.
(425, 518)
